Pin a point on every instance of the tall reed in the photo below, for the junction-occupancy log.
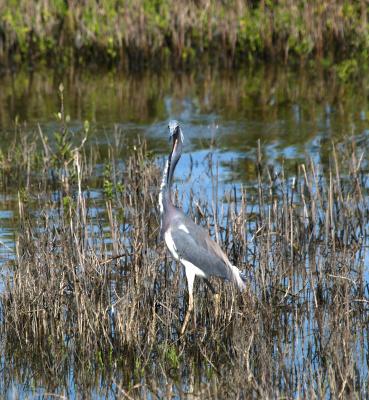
(93, 293)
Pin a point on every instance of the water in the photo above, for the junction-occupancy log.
(292, 114)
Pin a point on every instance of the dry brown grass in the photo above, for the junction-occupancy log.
(72, 309)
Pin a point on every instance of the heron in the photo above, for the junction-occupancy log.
(189, 243)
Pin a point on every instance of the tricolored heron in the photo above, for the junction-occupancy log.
(189, 243)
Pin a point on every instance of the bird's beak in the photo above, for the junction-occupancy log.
(175, 137)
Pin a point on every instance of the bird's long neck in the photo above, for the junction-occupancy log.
(165, 196)
(165, 189)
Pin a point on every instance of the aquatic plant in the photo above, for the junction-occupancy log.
(92, 293)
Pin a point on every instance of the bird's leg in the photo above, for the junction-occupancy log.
(217, 305)
(190, 275)
(188, 313)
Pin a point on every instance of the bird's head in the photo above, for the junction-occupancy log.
(175, 131)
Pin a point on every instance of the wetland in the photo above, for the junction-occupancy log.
(275, 165)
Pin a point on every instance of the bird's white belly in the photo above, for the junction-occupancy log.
(190, 268)
(170, 244)
(188, 265)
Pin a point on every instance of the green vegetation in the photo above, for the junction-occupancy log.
(135, 32)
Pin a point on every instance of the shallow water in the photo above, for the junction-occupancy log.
(292, 114)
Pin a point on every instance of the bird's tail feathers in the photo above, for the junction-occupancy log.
(239, 278)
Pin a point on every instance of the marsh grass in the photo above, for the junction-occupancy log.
(138, 33)
(92, 297)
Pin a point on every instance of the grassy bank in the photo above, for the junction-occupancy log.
(91, 302)
(230, 32)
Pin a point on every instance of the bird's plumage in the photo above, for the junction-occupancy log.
(193, 243)
(188, 242)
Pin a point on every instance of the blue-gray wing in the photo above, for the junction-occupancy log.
(197, 248)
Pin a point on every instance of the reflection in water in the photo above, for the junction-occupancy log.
(288, 109)
(310, 295)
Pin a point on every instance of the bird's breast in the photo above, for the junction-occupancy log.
(170, 244)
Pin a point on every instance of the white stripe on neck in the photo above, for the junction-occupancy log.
(163, 186)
